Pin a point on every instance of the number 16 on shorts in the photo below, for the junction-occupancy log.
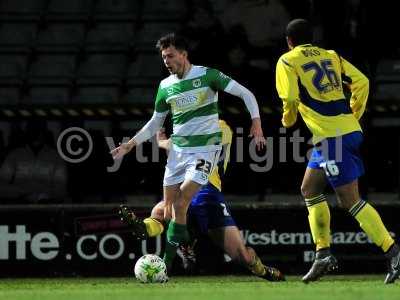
(330, 168)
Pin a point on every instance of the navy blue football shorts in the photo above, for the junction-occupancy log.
(208, 210)
(339, 157)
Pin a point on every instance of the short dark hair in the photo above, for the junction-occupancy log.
(172, 39)
(299, 31)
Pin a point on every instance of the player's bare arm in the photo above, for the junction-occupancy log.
(123, 149)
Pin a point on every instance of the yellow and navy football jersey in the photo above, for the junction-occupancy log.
(310, 80)
(220, 168)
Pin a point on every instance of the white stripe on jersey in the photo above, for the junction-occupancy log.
(198, 125)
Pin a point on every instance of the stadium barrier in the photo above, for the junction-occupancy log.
(90, 240)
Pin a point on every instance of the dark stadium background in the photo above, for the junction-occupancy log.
(92, 64)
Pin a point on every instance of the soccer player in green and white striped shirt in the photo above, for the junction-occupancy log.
(190, 94)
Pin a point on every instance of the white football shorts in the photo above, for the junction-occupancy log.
(193, 166)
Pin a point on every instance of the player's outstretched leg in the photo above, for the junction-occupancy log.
(250, 258)
(230, 239)
(324, 263)
(136, 225)
(256, 266)
(394, 264)
(142, 229)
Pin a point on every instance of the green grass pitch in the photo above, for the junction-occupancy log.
(202, 287)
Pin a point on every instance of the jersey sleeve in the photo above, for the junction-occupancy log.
(217, 80)
(238, 90)
(288, 91)
(151, 127)
(161, 105)
(359, 87)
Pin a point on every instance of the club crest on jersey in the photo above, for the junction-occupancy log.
(170, 91)
(196, 83)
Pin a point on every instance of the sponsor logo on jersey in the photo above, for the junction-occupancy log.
(185, 101)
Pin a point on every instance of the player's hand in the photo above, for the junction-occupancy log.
(120, 151)
(162, 140)
(161, 136)
(257, 132)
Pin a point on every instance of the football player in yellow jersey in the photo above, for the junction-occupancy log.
(208, 215)
(310, 81)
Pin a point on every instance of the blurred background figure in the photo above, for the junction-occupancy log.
(262, 22)
(33, 172)
(204, 33)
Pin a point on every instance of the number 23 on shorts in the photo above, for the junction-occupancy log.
(204, 166)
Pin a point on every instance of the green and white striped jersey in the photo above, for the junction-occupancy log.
(193, 103)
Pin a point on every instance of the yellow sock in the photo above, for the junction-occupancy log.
(153, 227)
(372, 224)
(257, 267)
(319, 218)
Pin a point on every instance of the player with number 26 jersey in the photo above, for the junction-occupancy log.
(310, 80)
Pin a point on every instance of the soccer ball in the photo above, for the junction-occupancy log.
(150, 268)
